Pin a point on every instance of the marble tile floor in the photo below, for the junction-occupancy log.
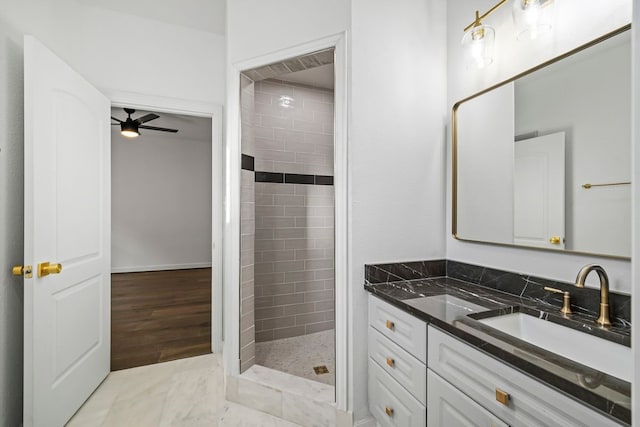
(182, 393)
(298, 355)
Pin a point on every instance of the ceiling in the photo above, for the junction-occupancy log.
(203, 15)
(321, 76)
(189, 127)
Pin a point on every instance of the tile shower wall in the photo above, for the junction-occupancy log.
(294, 248)
(247, 230)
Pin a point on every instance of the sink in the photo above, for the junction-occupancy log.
(446, 307)
(595, 352)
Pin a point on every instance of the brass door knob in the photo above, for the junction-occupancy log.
(388, 411)
(555, 240)
(19, 270)
(46, 268)
(391, 362)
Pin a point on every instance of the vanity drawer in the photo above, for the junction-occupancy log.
(449, 407)
(390, 403)
(407, 331)
(402, 366)
(530, 403)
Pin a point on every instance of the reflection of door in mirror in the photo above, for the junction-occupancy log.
(538, 192)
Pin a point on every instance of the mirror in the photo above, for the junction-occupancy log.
(544, 159)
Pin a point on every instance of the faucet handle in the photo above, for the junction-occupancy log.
(566, 300)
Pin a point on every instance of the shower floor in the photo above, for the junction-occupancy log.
(299, 355)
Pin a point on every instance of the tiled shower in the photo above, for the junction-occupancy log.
(287, 223)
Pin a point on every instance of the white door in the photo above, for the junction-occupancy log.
(449, 407)
(66, 222)
(538, 192)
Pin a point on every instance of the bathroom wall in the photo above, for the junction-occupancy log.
(575, 25)
(294, 282)
(247, 226)
(635, 206)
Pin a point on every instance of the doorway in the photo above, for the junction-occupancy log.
(161, 238)
(287, 273)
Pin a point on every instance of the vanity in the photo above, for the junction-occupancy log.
(446, 351)
(539, 161)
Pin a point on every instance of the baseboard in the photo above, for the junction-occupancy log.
(141, 268)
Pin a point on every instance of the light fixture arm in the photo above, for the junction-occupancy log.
(479, 18)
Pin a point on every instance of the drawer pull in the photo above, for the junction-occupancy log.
(389, 411)
(502, 397)
(390, 325)
(391, 362)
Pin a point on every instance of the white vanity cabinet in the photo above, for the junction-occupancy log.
(397, 381)
(513, 397)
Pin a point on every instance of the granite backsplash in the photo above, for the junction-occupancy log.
(583, 300)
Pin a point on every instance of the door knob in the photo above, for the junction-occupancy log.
(46, 268)
(19, 270)
(554, 240)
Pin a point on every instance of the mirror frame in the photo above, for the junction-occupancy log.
(454, 148)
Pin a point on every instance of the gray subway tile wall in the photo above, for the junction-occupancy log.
(294, 225)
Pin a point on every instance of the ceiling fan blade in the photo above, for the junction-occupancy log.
(147, 118)
(117, 120)
(157, 128)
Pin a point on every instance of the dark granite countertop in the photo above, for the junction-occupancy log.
(602, 392)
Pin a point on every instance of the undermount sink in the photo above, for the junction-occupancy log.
(446, 307)
(589, 350)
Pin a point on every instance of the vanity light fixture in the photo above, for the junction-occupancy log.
(532, 18)
(478, 39)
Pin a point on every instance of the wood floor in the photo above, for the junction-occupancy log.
(160, 315)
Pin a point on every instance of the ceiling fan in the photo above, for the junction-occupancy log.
(131, 128)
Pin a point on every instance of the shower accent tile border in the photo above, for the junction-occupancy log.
(293, 178)
(248, 163)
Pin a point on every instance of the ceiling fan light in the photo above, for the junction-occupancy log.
(130, 134)
(129, 129)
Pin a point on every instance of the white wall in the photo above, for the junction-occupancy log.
(576, 24)
(115, 52)
(396, 129)
(635, 206)
(120, 52)
(397, 145)
(11, 223)
(160, 201)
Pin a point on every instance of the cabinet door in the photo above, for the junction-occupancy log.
(448, 407)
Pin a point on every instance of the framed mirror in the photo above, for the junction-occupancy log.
(543, 160)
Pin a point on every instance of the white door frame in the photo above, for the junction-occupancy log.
(341, 187)
(198, 109)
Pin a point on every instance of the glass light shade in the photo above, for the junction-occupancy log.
(477, 44)
(532, 18)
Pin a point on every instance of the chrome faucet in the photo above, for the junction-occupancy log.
(603, 319)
